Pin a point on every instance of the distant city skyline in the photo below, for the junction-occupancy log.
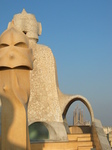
(79, 34)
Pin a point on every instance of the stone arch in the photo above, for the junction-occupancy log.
(83, 100)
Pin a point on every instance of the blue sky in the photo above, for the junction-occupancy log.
(79, 32)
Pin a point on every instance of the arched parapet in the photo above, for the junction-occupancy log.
(74, 98)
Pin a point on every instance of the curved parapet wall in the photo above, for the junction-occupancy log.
(55, 130)
(74, 98)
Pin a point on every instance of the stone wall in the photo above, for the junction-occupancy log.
(99, 137)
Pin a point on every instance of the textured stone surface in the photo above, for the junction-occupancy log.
(44, 100)
(44, 103)
(28, 24)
